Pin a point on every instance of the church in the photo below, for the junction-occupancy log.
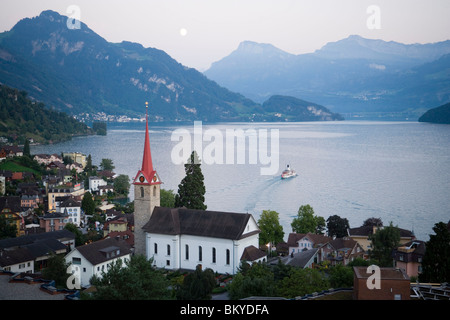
(181, 238)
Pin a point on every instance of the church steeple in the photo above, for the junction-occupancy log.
(147, 164)
(147, 175)
(146, 193)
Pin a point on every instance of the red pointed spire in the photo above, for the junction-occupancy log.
(147, 175)
(147, 165)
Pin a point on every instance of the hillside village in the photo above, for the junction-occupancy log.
(46, 212)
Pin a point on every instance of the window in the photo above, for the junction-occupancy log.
(154, 191)
(168, 249)
(200, 256)
(76, 260)
(213, 255)
(155, 247)
(142, 192)
(186, 252)
(228, 256)
(167, 262)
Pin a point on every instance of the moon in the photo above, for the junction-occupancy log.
(183, 32)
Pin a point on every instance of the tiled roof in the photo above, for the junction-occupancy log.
(214, 224)
(317, 239)
(95, 252)
(251, 253)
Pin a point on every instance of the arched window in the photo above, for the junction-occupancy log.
(200, 255)
(186, 252)
(142, 192)
(168, 249)
(156, 248)
(154, 191)
(228, 256)
(213, 255)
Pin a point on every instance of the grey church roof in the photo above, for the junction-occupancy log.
(204, 223)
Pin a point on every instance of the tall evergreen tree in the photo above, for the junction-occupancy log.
(436, 261)
(191, 190)
(26, 148)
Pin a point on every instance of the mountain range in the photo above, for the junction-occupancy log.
(77, 71)
(350, 75)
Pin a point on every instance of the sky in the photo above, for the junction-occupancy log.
(199, 32)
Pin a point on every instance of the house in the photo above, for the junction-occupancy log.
(362, 234)
(183, 238)
(53, 221)
(17, 260)
(61, 191)
(11, 209)
(298, 242)
(343, 251)
(380, 284)
(118, 224)
(127, 235)
(303, 259)
(29, 253)
(46, 159)
(409, 257)
(95, 182)
(72, 208)
(31, 199)
(102, 190)
(76, 157)
(94, 258)
(10, 151)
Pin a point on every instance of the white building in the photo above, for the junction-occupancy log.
(95, 182)
(94, 258)
(73, 209)
(183, 238)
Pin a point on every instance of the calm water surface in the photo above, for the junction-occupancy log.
(396, 171)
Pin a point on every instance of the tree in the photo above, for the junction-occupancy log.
(167, 198)
(79, 237)
(337, 226)
(375, 222)
(197, 285)
(341, 276)
(88, 204)
(436, 261)
(306, 221)
(254, 280)
(301, 282)
(271, 230)
(191, 190)
(135, 279)
(88, 167)
(26, 148)
(384, 241)
(122, 184)
(56, 270)
(7, 230)
(107, 164)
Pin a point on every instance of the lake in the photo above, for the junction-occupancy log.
(396, 171)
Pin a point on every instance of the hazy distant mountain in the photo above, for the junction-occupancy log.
(76, 70)
(353, 74)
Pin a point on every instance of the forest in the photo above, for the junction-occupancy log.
(21, 118)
